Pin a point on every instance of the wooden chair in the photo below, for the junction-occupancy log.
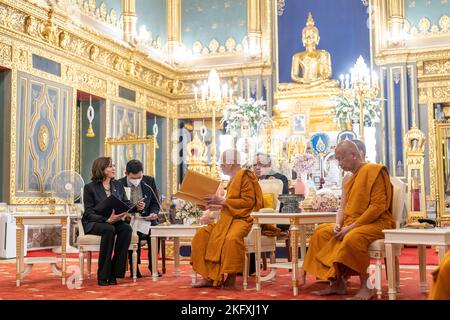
(376, 249)
(268, 244)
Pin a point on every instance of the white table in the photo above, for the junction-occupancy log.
(439, 237)
(297, 222)
(175, 231)
(23, 219)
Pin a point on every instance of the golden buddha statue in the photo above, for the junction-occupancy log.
(315, 65)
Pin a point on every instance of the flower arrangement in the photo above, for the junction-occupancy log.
(303, 163)
(346, 109)
(325, 200)
(186, 210)
(246, 112)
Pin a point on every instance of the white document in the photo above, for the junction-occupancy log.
(128, 192)
(143, 225)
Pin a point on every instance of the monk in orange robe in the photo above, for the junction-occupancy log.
(440, 290)
(334, 255)
(218, 248)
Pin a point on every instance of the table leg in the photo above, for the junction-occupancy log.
(442, 250)
(154, 244)
(294, 230)
(390, 270)
(19, 253)
(303, 249)
(63, 250)
(257, 234)
(422, 268)
(163, 254)
(176, 255)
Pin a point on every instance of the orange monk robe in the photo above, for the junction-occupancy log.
(369, 204)
(218, 248)
(440, 290)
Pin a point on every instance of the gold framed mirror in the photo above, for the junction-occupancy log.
(130, 147)
(443, 172)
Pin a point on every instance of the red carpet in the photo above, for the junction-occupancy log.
(409, 256)
(41, 284)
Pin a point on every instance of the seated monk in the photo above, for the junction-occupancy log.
(334, 255)
(340, 214)
(218, 248)
(440, 290)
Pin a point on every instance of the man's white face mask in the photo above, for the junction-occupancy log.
(135, 182)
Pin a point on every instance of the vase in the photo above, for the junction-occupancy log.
(300, 186)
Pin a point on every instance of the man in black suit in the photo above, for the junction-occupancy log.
(142, 186)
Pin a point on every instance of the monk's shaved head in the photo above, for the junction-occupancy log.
(347, 146)
(231, 156)
(348, 156)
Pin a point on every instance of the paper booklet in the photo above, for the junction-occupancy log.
(196, 186)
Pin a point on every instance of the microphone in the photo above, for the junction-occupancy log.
(154, 194)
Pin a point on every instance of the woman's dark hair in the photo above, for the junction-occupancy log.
(99, 165)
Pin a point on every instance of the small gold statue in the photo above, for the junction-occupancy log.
(197, 155)
(315, 65)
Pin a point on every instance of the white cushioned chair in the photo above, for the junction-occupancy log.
(268, 244)
(91, 243)
(376, 249)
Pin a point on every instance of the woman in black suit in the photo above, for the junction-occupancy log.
(108, 225)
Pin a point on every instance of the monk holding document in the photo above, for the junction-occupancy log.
(336, 254)
(218, 248)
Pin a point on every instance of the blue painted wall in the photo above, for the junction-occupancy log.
(343, 28)
(432, 9)
(152, 14)
(220, 19)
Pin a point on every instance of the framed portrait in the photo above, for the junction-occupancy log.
(299, 124)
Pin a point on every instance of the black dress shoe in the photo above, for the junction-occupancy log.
(103, 283)
(112, 281)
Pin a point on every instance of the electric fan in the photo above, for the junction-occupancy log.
(67, 186)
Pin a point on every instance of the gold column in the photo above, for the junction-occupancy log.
(254, 25)
(396, 16)
(129, 19)
(173, 25)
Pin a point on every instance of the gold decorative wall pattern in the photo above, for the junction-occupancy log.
(439, 67)
(100, 13)
(95, 62)
(425, 28)
(5, 52)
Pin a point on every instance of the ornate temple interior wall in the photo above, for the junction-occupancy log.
(139, 60)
